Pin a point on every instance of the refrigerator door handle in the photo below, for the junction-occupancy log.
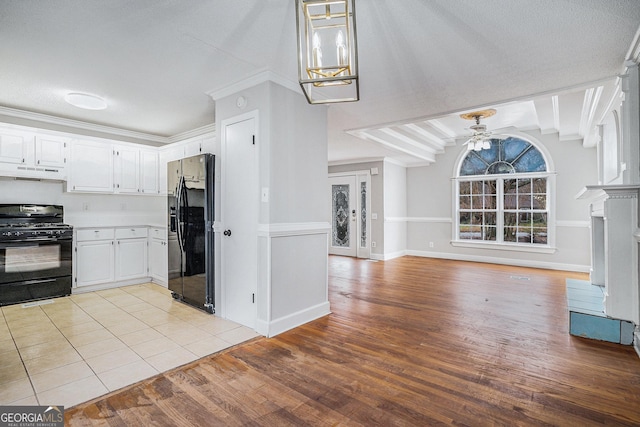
(179, 213)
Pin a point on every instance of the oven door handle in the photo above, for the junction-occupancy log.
(35, 282)
(38, 240)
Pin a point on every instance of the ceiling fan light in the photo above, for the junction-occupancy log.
(478, 145)
(85, 101)
(470, 145)
(486, 144)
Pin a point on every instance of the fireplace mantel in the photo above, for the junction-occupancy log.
(593, 192)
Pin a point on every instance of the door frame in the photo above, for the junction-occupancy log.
(224, 188)
(360, 177)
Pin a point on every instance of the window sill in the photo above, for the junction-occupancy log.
(541, 249)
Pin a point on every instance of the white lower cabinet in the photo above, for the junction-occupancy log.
(131, 253)
(109, 257)
(158, 255)
(94, 260)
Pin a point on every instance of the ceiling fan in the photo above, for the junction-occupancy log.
(481, 138)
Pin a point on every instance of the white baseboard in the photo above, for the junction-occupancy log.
(278, 326)
(505, 261)
(387, 257)
(110, 285)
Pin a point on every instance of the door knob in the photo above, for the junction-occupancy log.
(227, 232)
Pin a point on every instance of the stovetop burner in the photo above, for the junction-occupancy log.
(54, 225)
(32, 222)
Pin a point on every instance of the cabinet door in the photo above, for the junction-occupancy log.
(91, 167)
(13, 146)
(193, 148)
(51, 151)
(158, 260)
(126, 170)
(131, 259)
(94, 262)
(149, 171)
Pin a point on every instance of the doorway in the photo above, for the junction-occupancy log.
(350, 218)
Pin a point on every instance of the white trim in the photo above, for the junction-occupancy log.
(514, 247)
(251, 81)
(503, 261)
(283, 324)
(349, 173)
(45, 118)
(356, 161)
(387, 257)
(394, 219)
(293, 229)
(429, 219)
(194, 133)
(577, 224)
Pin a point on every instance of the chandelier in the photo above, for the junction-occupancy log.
(481, 138)
(327, 50)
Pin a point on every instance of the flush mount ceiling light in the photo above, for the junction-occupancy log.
(481, 138)
(327, 50)
(85, 101)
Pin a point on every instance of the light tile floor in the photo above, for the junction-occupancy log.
(69, 350)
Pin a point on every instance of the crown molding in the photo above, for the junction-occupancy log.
(356, 161)
(77, 124)
(194, 133)
(251, 81)
(633, 54)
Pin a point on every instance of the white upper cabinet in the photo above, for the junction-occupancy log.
(32, 155)
(126, 168)
(13, 146)
(91, 167)
(149, 171)
(105, 167)
(51, 151)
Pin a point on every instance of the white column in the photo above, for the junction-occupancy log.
(622, 296)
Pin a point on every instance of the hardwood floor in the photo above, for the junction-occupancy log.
(411, 341)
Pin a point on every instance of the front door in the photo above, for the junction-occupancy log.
(349, 219)
(240, 206)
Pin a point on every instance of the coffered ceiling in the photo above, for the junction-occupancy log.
(541, 64)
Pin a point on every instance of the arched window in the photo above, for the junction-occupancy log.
(503, 195)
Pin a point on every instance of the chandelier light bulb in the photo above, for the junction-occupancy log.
(317, 51)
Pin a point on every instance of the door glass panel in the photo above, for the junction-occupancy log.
(363, 214)
(340, 215)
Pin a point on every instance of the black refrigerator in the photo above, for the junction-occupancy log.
(190, 184)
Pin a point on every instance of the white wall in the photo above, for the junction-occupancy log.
(293, 225)
(395, 209)
(84, 209)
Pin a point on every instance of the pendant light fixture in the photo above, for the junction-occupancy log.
(481, 138)
(327, 50)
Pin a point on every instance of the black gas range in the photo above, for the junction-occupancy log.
(35, 253)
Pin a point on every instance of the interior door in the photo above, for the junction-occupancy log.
(239, 214)
(344, 215)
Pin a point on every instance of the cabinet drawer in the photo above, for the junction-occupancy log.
(131, 232)
(157, 233)
(86, 235)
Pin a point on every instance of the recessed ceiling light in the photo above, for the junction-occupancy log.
(86, 101)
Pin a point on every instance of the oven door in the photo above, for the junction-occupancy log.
(35, 269)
